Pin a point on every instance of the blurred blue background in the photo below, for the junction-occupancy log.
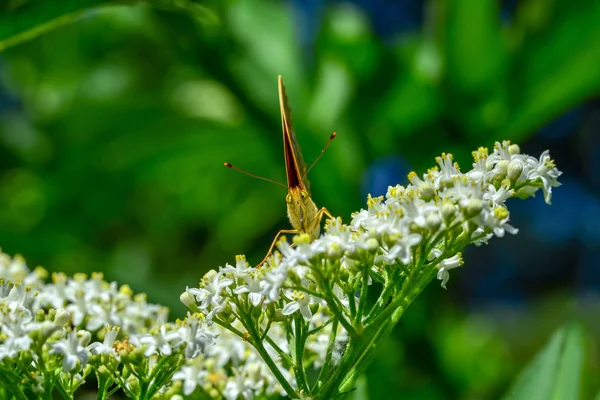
(114, 129)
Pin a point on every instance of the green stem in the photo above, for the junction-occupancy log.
(361, 350)
(330, 349)
(393, 314)
(300, 340)
(258, 345)
(12, 386)
(335, 310)
(279, 351)
(363, 296)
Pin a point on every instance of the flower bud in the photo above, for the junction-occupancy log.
(502, 167)
(256, 312)
(427, 191)
(189, 301)
(62, 317)
(84, 337)
(448, 212)
(279, 317)
(433, 222)
(40, 315)
(514, 149)
(344, 275)
(372, 245)
(473, 208)
(515, 169)
(210, 275)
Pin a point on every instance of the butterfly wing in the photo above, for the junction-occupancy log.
(295, 166)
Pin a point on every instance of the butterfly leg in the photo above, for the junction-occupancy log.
(320, 213)
(325, 211)
(274, 243)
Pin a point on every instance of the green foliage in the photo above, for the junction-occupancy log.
(556, 372)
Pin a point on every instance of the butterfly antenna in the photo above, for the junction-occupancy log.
(252, 175)
(333, 135)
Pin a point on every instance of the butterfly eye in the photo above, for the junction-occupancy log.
(288, 199)
(304, 194)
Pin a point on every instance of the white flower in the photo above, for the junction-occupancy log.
(21, 299)
(192, 375)
(241, 267)
(16, 330)
(545, 170)
(210, 290)
(445, 265)
(254, 286)
(300, 301)
(239, 385)
(72, 350)
(497, 219)
(106, 347)
(195, 336)
(160, 342)
(498, 197)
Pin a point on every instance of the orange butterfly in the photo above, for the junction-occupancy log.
(302, 211)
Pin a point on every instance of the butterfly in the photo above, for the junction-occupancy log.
(303, 213)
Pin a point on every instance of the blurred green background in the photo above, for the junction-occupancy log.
(115, 121)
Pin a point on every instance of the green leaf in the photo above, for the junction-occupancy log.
(25, 20)
(22, 20)
(555, 372)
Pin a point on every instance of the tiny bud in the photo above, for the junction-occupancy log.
(133, 384)
(189, 301)
(41, 272)
(502, 167)
(62, 317)
(473, 208)
(433, 222)
(84, 337)
(256, 312)
(448, 212)
(210, 275)
(427, 191)
(40, 315)
(126, 290)
(103, 371)
(372, 244)
(279, 317)
(514, 149)
(515, 169)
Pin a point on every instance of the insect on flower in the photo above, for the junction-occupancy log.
(303, 213)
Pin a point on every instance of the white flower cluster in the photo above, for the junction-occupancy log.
(402, 241)
(438, 214)
(74, 324)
